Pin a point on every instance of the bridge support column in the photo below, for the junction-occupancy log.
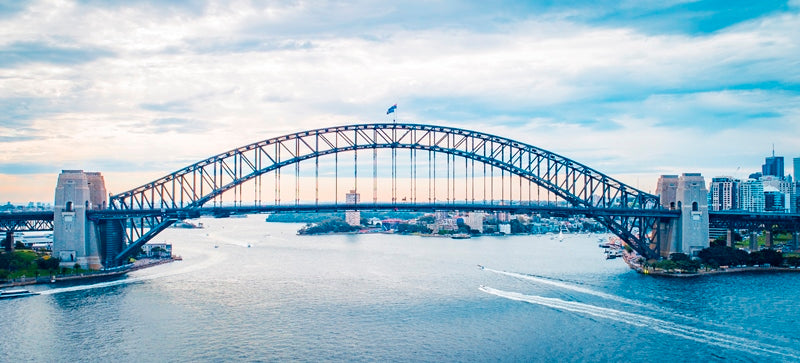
(692, 200)
(753, 241)
(9, 243)
(729, 238)
(75, 239)
(768, 239)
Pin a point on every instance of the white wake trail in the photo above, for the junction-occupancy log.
(687, 332)
(212, 260)
(567, 286)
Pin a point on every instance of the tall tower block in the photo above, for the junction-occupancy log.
(75, 237)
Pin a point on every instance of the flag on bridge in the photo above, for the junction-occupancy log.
(391, 109)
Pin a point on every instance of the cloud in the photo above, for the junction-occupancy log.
(174, 124)
(28, 168)
(20, 53)
(637, 86)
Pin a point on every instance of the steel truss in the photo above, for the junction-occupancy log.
(26, 221)
(579, 185)
(754, 221)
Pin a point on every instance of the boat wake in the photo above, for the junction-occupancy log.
(211, 260)
(683, 331)
(567, 286)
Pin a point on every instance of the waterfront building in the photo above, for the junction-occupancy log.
(157, 250)
(475, 220)
(723, 194)
(353, 217)
(751, 193)
(504, 228)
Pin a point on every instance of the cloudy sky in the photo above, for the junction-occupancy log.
(635, 89)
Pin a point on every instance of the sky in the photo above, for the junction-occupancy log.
(137, 89)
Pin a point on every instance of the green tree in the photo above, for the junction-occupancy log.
(428, 219)
(793, 261)
(678, 256)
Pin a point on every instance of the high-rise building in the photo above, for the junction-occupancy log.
(751, 195)
(773, 165)
(796, 170)
(723, 193)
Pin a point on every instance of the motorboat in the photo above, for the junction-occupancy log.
(10, 294)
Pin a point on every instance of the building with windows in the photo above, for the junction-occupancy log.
(773, 166)
(352, 217)
(777, 194)
(723, 193)
(751, 195)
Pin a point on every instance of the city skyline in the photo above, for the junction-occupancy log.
(136, 90)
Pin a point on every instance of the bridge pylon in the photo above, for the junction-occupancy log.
(688, 194)
(75, 237)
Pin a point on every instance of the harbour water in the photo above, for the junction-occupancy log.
(400, 298)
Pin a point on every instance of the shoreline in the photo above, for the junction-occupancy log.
(731, 270)
(138, 265)
(629, 260)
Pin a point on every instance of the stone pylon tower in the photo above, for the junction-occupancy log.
(692, 198)
(75, 238)
(689, 233)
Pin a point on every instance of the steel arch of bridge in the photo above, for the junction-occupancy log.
(578, 184)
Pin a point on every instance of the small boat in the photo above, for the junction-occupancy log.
(461, 236)
(10, 294)
(481, 267)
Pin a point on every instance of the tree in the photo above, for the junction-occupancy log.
(666, 265)
(723, 256)
(678, 256)
(719, 242)
(428, 219)
(517, 227)
(793, 261)
(47, 263)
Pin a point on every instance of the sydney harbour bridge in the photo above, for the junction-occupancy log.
(392, 166)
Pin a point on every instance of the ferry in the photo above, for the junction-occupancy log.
(10, 294)
(461, 236)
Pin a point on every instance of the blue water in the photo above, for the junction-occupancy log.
(400, 298)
